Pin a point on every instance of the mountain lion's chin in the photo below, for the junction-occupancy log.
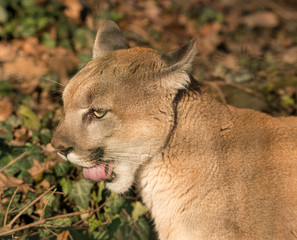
(120, 184)
(124, 177)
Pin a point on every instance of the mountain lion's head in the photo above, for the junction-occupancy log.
(118, 109)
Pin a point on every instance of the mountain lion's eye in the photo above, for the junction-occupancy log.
(99, 113)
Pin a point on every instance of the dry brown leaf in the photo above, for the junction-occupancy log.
(7, 52)
(45, 184)
(263, 19)
(24, 188)
(5, 108)
(61, 60)
(21, 135)
(38, 168)
(7, 181)
(232, 19)
(290, 55)
(230, 61)
(73, 9)
(24, 73)
(209, 36)
(151, 10)
(31, 46)
(63, 235)
(49, 148)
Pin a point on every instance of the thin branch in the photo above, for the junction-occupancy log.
(217, 88)
(235, 85)
(42, 212)
(28, 206)
(50, 230)
(14, 160)
(7, 210)
(4, 232)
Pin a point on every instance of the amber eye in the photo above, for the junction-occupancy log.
(99, 113)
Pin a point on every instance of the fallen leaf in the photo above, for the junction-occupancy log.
(290, 55)
(7, 52)
(38, 168)
(62, 61)
(24, 188)
(73, 9)
(24, 73)
(263, 19)
(31, 46)
(5, 108)
(63, 235)
(230, 61)
(45, 184)
(21, 136)
(28, 117)
(49, 148)
(7, 181)
(209, 36)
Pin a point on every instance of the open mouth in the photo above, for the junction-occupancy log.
(101, 172)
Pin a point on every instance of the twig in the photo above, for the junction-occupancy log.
(235, 85)
(283, 12)
(42, 212)
(217, 88)
(50, 230)
(28, 206)
(14, 160)
(5, 232)
(7, 210)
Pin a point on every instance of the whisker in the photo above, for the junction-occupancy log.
(53, 81)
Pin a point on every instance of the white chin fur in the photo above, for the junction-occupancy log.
(125, 173)
(72, 157)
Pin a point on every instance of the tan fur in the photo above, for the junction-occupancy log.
(205, 170)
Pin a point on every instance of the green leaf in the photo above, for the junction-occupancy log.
(66, 185)
(28, 117)
(62, 222)
(116, 204)
(98, 197)
(45, 136)
(115, 224)
(53, 201)
(62, 168)
(93, 223)
(144, 229)
(287, 101)
(80, 192)
(112, 15)
(138, 210)
(47, 40)
(7, 131)
(3, 15)
(5, 88)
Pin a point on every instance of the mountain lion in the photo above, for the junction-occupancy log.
(204, 169)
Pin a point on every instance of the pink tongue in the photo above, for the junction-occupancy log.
(97, 173)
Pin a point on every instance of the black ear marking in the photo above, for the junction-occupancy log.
(109, 38)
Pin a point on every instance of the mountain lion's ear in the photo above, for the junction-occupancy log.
(174, 76)
(109, 38)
